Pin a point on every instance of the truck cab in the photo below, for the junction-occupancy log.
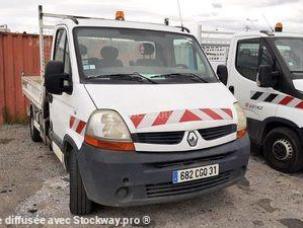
(136, 114)
(265, 73)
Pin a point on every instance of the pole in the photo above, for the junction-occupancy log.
(41, 41)
(199, 32)
(180, 14)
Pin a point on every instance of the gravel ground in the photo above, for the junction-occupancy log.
(33, 183)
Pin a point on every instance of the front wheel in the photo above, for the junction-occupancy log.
(282, 150)
(79, 203)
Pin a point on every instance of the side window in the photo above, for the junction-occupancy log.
(62, 50)
(67, 66)
(265, 57)
(60, 45)
(247, 58)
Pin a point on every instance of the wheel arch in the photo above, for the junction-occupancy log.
(30, 110)
(67, 147)
(274, 122)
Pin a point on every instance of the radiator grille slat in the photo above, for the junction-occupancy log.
(159, 137)
(217, 132)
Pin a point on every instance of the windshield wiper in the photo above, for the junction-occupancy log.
(131, 76)
(143, 77)
(296, 71)
(191, 76)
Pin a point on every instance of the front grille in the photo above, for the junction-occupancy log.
(191, 161)
(217, 132)
(170, 189)
(159, 137)
(176, 137)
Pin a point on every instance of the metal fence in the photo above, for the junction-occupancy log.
(19, 54)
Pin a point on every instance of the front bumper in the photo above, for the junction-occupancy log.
(115, 178)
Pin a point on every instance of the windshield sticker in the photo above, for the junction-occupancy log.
(89, 67)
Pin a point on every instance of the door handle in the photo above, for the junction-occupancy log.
(232, 89)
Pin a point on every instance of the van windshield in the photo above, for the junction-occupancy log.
(153, 55)
(291, 50)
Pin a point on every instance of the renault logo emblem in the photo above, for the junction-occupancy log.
(192, 138)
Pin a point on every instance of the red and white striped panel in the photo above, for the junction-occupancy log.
(291, 101)
(77, 125)
(281, 99)
(180, 116)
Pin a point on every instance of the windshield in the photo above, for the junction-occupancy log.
(291, 49)
(149, 54)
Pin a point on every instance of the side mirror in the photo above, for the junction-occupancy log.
(56, 81)
(266, 77)
(222, 73)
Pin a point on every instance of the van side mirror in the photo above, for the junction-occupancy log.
(266, 77)
(56, 81)
(222, 73)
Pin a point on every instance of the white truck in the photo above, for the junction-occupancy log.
(264, 70)
(135, 113)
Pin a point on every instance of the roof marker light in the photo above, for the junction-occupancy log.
(279, 27)
(120, 15)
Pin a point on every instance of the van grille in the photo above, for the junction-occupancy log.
(159, 137)
(170, 189)
(176, 137)
(217, 132)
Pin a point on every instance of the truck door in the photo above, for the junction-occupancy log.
(250, 54)
(61, 106)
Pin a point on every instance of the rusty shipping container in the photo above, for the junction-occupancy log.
(19, 53)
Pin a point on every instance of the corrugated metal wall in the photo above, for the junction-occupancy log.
(18, 53)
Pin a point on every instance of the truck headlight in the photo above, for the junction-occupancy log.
(241, 126)
(107, 130)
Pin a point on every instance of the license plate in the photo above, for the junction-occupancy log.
(191, 174)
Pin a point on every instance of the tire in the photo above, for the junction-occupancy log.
(35, 134)
(283, 150)
(79, 203)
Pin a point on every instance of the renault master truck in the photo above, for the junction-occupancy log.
(135, 113)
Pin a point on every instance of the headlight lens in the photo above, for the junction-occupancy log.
(241, 127)
(106, 129)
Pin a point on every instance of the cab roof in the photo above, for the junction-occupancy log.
(120, 24)
(259, 34)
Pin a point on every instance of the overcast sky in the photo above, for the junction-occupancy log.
(21, 15)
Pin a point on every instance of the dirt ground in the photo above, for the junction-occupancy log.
(33, 183)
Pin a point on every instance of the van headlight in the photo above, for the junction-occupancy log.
(242, 124)
(107, 130)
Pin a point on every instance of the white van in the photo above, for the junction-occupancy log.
(136, 114)
(265, 73)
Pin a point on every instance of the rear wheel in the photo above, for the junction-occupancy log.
(79, 203)
(282, 150)
(35, 134)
